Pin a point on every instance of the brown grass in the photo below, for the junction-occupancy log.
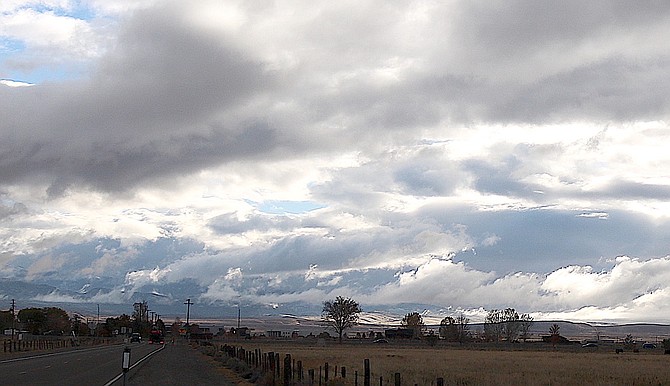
(422, 365)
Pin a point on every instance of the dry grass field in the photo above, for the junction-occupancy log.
(422, 365)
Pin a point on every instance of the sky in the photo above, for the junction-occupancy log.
(463, 155)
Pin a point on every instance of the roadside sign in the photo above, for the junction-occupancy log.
(126, 359)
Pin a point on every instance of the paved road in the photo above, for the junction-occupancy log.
(176, 364)
(85, 366)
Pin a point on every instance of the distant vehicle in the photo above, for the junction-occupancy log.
(380, 341)
(135, 337)
(156, 336)
(590, 344)
(648, 345)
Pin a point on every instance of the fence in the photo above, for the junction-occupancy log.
(288, 371)
(9, 346)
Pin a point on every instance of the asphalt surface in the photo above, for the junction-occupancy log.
(178, 364)
(78, 366)
(174, 364)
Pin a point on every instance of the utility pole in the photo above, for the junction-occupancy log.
(188, 309)
(13, 318)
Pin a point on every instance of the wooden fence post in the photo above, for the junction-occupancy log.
(325, 368)
(440, 381)
(397, 379)
(287, 370)
(300, 371)
(366, 375)
(310, 374)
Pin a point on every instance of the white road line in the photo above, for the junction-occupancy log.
(135, 364)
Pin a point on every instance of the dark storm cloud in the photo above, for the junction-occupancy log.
(510, 26)
(441, 141)
(621, 89)
(145, 113)
(527, 61)
(172, 97)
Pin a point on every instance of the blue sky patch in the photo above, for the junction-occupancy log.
(285, 206)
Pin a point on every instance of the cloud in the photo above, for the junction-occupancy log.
(464, 153)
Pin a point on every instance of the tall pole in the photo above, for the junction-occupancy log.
(13, 318)
(188, 309)
(239, 316)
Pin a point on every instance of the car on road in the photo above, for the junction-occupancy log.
(590, 344)
(380, 341)
(156, 336)
(135, 338)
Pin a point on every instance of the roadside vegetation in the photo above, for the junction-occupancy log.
(477, 364)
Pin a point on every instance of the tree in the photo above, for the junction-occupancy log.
(33, 320)
(141, 323)
(455, 329)
(666, 344)
(511, 324)
(448, 330)
(493, 325)
(340, 314)
(6, 320)
(526, 324)
(555, 334)
(505, 324)
(463, 329)
(80, 327)
(45, 320)
(629, 342)
(414, 322)
(113, 326)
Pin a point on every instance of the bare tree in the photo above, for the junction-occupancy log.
(505, 324)
(340, 314)
(511, 324)
(463, 328)
(526, 324)
(493, 325)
